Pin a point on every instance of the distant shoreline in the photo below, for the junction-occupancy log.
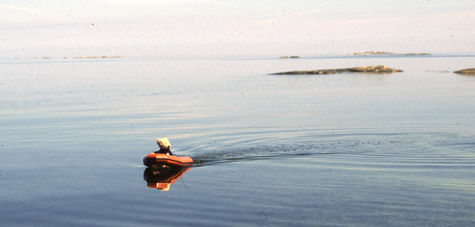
(66, 57)
(377, 53)
(224, 57)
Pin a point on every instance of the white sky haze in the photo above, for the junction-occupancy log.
(233, 28)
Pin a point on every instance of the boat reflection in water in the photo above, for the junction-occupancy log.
(162, 176)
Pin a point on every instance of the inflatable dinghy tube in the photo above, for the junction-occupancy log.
(154, 158)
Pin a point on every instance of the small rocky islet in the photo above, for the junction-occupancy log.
(293, 56)
(378, 69)
(470, 71)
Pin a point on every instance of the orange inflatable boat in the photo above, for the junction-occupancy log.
(154, 158)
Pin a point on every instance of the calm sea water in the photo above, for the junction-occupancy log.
(346, 149)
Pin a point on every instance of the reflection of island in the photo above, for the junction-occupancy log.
(162, 176)
(373, 53)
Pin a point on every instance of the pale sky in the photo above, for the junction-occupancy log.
(233, 28)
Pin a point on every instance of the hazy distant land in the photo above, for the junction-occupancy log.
(374, 53)
(91, 57)
(75, 57)
(369, 53)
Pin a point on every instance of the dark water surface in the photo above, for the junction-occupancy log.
(346, 149)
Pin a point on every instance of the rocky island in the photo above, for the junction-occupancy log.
(362, 69)
(373, 53)
(470, 71)
(293, 56)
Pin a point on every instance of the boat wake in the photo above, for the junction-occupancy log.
(405, 146)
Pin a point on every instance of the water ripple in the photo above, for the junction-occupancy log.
(407, 149)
